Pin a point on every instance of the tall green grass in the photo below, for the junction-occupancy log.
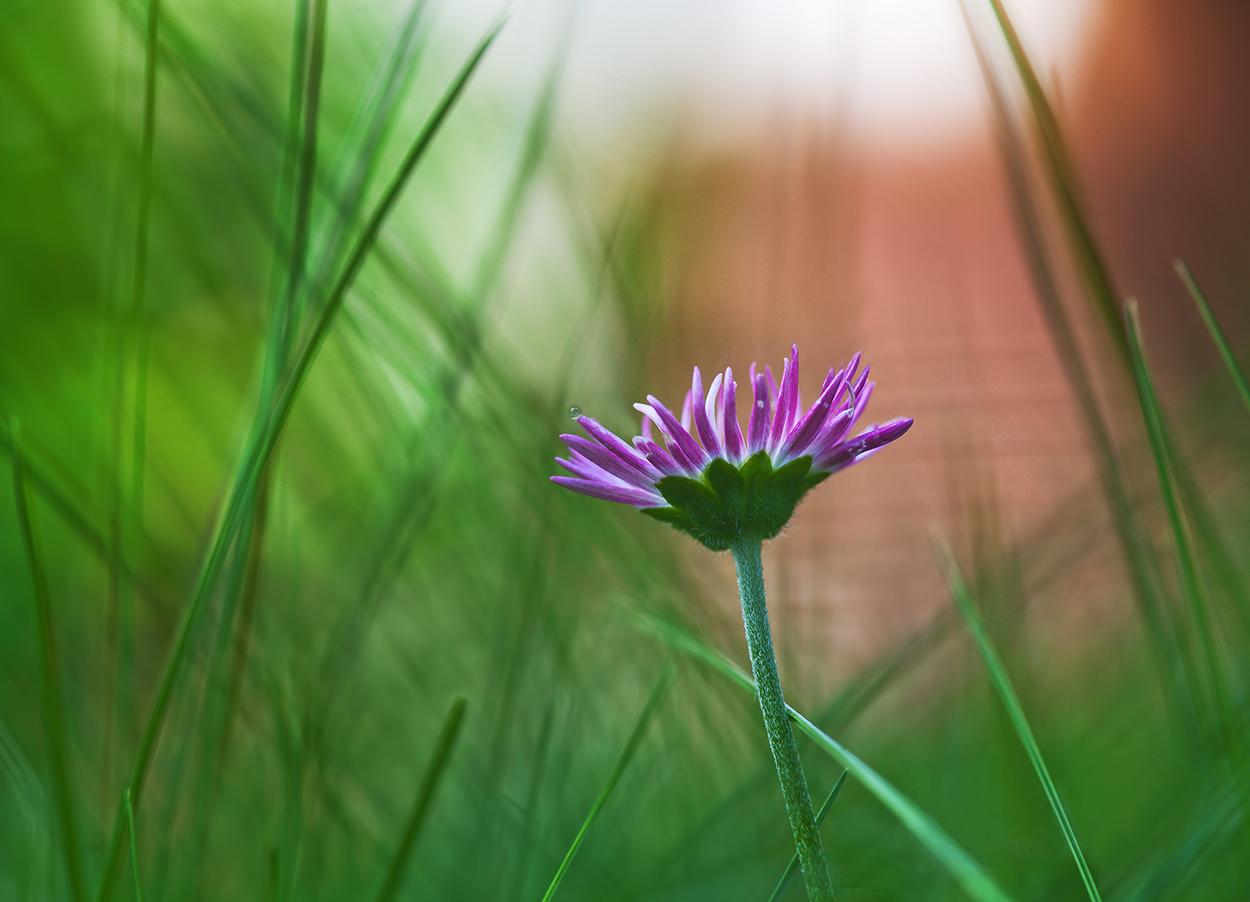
(277, 280)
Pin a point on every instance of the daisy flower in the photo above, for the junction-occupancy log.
(705, 476)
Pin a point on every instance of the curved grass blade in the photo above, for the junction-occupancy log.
(261, 447)
(1217, 334)
(53, 708)
(793, 867)
(429, 782)
(1002, 683)
(949, 854)
(1191, 585)
(627, 754)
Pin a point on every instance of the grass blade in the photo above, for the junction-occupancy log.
(261, 448)
(53, 707)
(307, 170)
(134, 846)
(793, 867)
(429, 782)
(132, 364)
(1067, 192)
(1217, 334)
(627, 754)
(949, 854)
(1002, 684)
(1168, 649)
(1192, 589)
(38, 479)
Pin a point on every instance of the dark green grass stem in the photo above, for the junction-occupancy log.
(784, 883)
(134, 847)
(1191, 585)
(261, 448)
(131, 330)
(1002, 684)
(429, 782)
(307, 170)
(750, 566)
(622, 762)
(53, 708)
(1217, 334)
(949, 854)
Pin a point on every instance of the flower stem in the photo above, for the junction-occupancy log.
(777, 723)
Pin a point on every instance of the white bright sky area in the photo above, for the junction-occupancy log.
(888, 72)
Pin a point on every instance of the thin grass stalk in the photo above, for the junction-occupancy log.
(1212, 546)
(1007, 693)
(464, 334)
(134, 847)
(307, 171)
(784, 883)
(1067, 191)
(1192, 588)
(53, 705)
(1217, 334)
(1168, 647)
(261, 448)
(961, 866)
(421, 804)
(96, 540)
(292, 203)
(627, 754)
(379, 107)
(132, 360)
(284, 216)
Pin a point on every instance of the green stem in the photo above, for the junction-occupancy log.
(777, 722)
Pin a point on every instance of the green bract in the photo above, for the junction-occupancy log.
(728, 504)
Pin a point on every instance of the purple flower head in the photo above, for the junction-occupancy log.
(701, 474)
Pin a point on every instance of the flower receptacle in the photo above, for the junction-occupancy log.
(728, 504)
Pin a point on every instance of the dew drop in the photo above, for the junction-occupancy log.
(574, 413)
(759, 404)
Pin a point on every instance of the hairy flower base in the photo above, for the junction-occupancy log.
(727, 503)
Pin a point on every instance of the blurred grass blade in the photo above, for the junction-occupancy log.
(1192, 589)
(429, 782)
(134, 847)
(37, 478)
(1002, 684)
(1067, 192)
(793, 867)
(131, 365)
(1217, 334)
(53, 705)
(265, 439)
(958, 863)
(1168, 648)
(307, 171)
(377, 111)
(627, 754)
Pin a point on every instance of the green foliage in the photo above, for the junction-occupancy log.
(294, 300)
(730, 503)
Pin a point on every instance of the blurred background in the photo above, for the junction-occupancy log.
(295, 299)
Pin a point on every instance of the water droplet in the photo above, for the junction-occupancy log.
(574, 413)
(759, 404)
